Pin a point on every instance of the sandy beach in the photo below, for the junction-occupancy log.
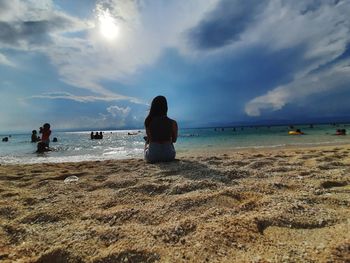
(268, 205)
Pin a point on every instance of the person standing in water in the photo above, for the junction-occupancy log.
(43, 145)
(34, 136)
(46, 132)
(161, 132)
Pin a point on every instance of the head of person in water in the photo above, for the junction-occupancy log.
(46, 126)
(159, 108)
(34, 132)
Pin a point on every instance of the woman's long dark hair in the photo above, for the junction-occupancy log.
(159, 107)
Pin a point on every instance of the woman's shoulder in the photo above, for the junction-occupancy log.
(172, 120)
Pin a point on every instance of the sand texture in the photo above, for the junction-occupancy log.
(282, 205)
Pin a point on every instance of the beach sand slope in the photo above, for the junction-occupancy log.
(283, 205)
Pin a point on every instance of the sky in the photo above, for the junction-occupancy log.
(87, 64)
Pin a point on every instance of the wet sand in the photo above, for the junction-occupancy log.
(281, 205)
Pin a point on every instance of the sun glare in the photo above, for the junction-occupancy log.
(107, 25)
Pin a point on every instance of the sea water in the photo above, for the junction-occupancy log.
(77, 146)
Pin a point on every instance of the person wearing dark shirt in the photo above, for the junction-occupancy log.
(161, 132)
(34, 136)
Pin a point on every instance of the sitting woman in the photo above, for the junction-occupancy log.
(161, 133)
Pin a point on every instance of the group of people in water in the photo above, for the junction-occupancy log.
(44, 141)
(96, 136)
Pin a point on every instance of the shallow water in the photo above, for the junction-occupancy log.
(77, 146)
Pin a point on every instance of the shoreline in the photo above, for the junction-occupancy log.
(251, 205)
(183, 153)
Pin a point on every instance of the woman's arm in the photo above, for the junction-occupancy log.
(174, 132)
(148, 133)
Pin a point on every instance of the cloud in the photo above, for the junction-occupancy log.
(5, 61)
(225, 23)
(320, 27)
(118, 111)
(29, 25)
(140, 42)
(335, 77)
(83, 58)
(85, 99)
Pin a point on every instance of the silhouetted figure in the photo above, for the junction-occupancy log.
(161, 132)
(96, 136)
(54, 139)
(101, 135)
(34, 136)
(92, 135)
(5, 139)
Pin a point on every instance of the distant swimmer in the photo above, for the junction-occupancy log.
(5, 139)
(54, 139)
(92, 135)
(296, 132)
(340, 132)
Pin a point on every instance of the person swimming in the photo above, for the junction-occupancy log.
(340, 132)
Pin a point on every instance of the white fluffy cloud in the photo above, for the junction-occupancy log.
(118, 111)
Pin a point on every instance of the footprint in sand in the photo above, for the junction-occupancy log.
(41, 217)
(58, 255)
(15, 234)
(173, 234)
(129, 256)
(151, 189)
(331, 184)
(340, 253)
(8, 212)
(192, 186)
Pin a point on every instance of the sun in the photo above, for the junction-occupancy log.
(108, 26)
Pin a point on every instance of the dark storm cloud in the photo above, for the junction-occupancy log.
(225, 23)
(32, 32)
